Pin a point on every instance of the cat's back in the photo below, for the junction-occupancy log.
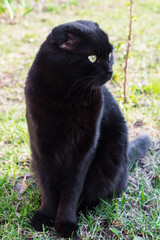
(113, 121)
(111, 107)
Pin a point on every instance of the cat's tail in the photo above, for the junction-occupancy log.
(138, 148)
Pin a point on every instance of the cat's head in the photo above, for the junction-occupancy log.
(79, 51)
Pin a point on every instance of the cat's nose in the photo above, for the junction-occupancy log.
(109, 74)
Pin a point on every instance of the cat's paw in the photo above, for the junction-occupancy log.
(39, 220)
(66, 229)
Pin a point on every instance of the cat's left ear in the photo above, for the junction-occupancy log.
(71, 42)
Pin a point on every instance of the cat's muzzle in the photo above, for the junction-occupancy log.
(106, 77)
(109, 75)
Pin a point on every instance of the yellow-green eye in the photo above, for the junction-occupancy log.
(92, 58)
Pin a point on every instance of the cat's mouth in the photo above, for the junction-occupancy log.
(109, 75)
(106, 78)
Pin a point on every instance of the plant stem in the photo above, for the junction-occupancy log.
(127, 51)
(8, 6)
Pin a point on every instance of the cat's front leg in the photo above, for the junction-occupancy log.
(72, 180)
(45, 216)
(66, 222)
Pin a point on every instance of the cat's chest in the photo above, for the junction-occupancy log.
(68, 123)
(81, 124)
(85, 116)
(78, 129)
(69, 128)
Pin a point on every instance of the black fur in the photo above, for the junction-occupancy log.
(78, 135)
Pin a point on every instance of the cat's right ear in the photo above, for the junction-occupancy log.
(66, 41)
(71, 42)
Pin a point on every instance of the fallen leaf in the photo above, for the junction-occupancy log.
(21, 187)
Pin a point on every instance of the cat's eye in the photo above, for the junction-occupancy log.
(110, 55)
(92, 58)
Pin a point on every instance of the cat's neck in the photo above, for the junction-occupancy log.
(51, 96)
(81, 98)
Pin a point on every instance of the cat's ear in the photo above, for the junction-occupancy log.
(71, 42)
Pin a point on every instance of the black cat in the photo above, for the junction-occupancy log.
(78, 135)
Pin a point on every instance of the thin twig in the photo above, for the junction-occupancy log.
(9, 8)
(128, 49)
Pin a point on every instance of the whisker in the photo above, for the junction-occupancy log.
(86, 84)
(85, 89)
(80, 87)
(72, 88)
(89, 97)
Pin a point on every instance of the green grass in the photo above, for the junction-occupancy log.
(136, 215)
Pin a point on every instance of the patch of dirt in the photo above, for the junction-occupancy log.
(6, 19)
(7, 79)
